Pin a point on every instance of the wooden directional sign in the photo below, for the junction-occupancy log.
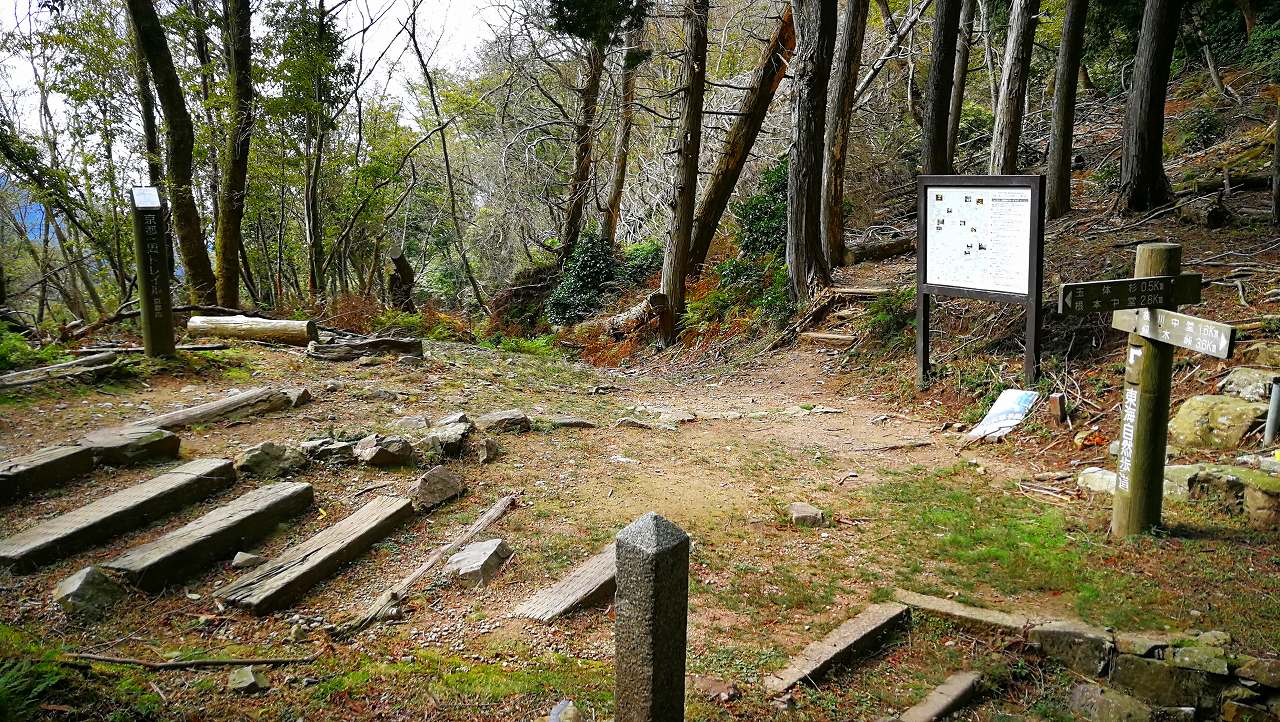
(1206, 337)
(1095, 296)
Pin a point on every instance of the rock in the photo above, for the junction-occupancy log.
(298, 633)
(488, 451)
(1142, 645)
(805, 514)
(628, 422)
(1214, 638)
(332, 386)
(376, 394)
(270, 460)
(125, 445)
(445, 440)
(478, 562)
(408, 361)
(1263, 507)
(564, 711)
(508, 420)
(1269, 464)
(1176, 479)
(1248, 384)
(88, 593)
(1205, 659)
(1079, 646)
(456, 417)
(1084, 700)
(1096, 478)
(719, 415)
(1265, 671)
(330, 450)
(568, 422)
(378, 450)
(713, 689)
(1263, 354)
(1214, 422)
(1233, 711)
(244, 560)
(410, 423)
(247, 679)
(1165, 685)
(676, 416)
(369, 361)
(299, 397)
(435, 488)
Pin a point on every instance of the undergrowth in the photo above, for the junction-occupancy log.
(16, 353)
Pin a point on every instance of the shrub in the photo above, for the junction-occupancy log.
(16, 353)
(890, 315)
(1199, 128)
(640, 262)
(1263, 49)
(427, 323)
(752, 288)
(582, 281)
(762, 217)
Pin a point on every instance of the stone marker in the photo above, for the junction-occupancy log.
(945, 698)
(805, 514)
(43, 469)
(244, 560)
(652, 605)
(88, 593)
(478, 563)
(153, 253)
(508, 420)
(858, 635)
(270, 460)
(379, 450)
(435, 488)
(247, 679)
(125, 445)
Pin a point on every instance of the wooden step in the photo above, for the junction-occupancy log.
(944, 699)
(591, 582)
(283, 580)
(858, 635)
(216, 535)
(120, 512)
(44, 469)
(835, 339)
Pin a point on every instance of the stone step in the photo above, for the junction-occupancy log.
(944, 699)
(44, 469)
(283, 580)
(964, 614)
(223, 531)
(120, 512)
(858, 635)
(126, 445)
(590, 583)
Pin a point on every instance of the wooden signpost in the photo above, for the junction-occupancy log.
(980, 237)
(151, 251)
(1143, 306)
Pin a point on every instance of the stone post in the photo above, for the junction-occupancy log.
(652, 605)
(151, 252)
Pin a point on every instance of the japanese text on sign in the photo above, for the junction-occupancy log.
(979, 238)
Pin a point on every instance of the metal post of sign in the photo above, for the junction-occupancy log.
(1145, 421)
(150, 248)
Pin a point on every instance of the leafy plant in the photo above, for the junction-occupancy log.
(890, 315)
(640, 262)
(16, 353)
(762, 217)
(582, 282)
(1199, 128)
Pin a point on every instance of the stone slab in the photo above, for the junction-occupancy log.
(283, 580)
(946, 698)
(123, 511)
(127, 445)
(1164, 685)
(47, 468)
(856, 636)
(589, 583)
(477, 563)
(218, 534)
(1079, 646)
(963, 613)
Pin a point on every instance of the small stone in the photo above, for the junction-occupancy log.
(270, 460)
(676, 416)
(713, 689)
(410, 423)
(369, 361)
(456, 417)
(378, 450)
(628, 422)
(1141, 645)
(333, 386)
(508, 420)
(446, 440)
(298, 633)
(408, 361)
(1204, 659)
(805, 514)
(1248, 384)
(1234, 711)
(1262, 507)
(479, 562)
(1264, 671)
(435, 488)
(88, 593)
(488, 451)
(247, 679)
(330, 450)
(568, 422)
(298, 397)
(783, 702)
(245, 560)
(564, 711)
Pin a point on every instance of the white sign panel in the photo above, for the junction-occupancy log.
(146, 197)
(979, 238)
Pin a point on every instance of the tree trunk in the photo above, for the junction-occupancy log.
(988, 58)
(294, 333)
(235, 155)
(1058, 200)
(946, 24)
(1275, 169)
(1086, 82)
(626, 110)
(913, 91)
(959, 77)
(584, 136)
(400, 283)
(1143, 184)
(684, 193)
(815, 41)
(848, 60)
(1007, 134)
(1210, 64)
(180, 140)
(742, 135)
(147, 109)
(1250, 16)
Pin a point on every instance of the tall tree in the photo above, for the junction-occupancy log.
(742, 135)
(913, 88)
(1143, 184)
(946, 24)
(1275, 169)
(815, 42)
(147, 109)
(237, 18)
(684, 192)
(1006, 136)
(959, 77)
(632, 57)
(1058, 200)
(180, 141)
(844, 79)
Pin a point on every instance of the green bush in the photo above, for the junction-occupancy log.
(1263, 49)
(890, 315)
(755, 288)
(431, 326)
(975, 120)
(1199, 128)
(762, 217)
(16, 353)
(640, 262)
(544, 345)
(582, 281)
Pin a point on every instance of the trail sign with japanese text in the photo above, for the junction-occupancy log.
(152, 252)
(1207, 337)
(1098, 296)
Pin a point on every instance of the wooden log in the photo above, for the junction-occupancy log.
(139, 349)
(292, 333)
(283, 580)
(876, 249)
(123, 511)
(253, 402)
(860, 292)
(44, 469)
(227, 529)
(592, 582)
(351, 350)
(828, 338)
(87, 364)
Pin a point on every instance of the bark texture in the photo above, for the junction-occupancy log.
(621, 151)
(959, 77)
(1143, 184)
(235, 156)
(844, 79)
(1058, 200)
(1275, 170)
(815, 42)
(294, 333)
(584, 139)
(946, 24)
(1007, 134)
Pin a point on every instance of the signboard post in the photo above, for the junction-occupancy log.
(980, 237)
(151, 250)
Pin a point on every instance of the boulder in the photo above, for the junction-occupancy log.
(89, 593)
(1215, 422)
(247, 679)
(508, 420)
(1204, 659)
(1263, 353)
(379, 450)
(270, 460)
(435, 488)
(1165, 685)
(805, 514)
(330, 451)
(1249, 384)
(1079, 646)
(410, 423)
(245, 560)
(479, 562)
(445, 440)
(1263, 507)
(1266, 671)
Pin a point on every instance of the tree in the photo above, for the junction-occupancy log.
(1006, 136)
(848, 60)
(959, 77)
(235, 156)
(1058, 200)
(815, 41)
(935, 154)
(684, 192)
(631, 60)
(1143, 184)
(180, 141)
(1275, 169)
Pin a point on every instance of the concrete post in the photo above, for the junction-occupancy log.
(1144, 426)
(151, 252)
(652, 605)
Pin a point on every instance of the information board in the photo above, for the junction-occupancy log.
(979, 238)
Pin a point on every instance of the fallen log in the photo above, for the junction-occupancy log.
(878, 248)
(351, 350)
(251, 401)
(828, 338)
(400, 589)
(193, 663)
(625, 323)
(75, 367)
(140, 349)
(292, 333)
